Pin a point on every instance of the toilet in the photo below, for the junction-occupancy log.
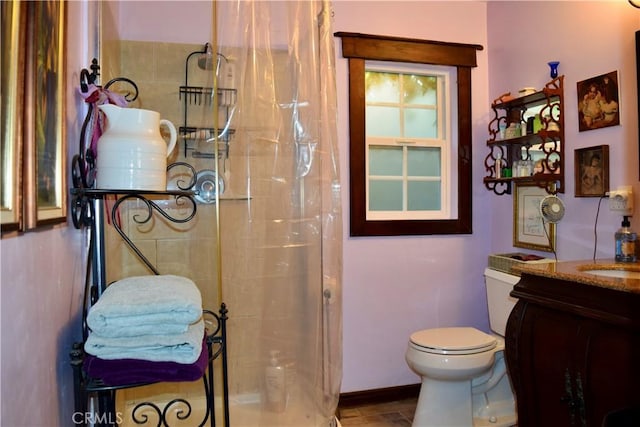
(463, 371)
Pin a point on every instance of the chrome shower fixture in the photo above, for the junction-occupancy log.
(206, 58)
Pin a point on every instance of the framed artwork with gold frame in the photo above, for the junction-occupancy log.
(529, 230)
(33, 151)
(12, 108)
(45, 148)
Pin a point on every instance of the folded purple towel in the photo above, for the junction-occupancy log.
(132, 371)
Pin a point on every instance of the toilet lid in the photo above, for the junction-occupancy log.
(462, 340)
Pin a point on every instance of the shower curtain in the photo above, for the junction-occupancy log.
(278, 220)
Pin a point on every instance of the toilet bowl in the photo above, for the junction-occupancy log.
(462, 369)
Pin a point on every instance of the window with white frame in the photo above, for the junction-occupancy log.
(410, 129)
(410, 145)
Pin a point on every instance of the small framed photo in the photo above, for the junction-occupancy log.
(592, 171)
(598, 102)
(529, 229)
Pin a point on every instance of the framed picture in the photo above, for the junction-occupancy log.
(598, 102)
(529, 230)
(45, 147)
(592, 171)
(13, 33)
(638, 87)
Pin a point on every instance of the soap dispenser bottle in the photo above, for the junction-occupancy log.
(275, 384)
(626, 242)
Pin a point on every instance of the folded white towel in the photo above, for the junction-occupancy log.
(143, 305)
(119, 328)
(180, 348)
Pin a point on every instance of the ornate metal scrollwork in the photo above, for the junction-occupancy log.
(182, 199)
(181, 413)
(152, 413)
(88, 211)
(179, 180)
(84, 163)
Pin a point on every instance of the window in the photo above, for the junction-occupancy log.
(409, 130)
(410, 135)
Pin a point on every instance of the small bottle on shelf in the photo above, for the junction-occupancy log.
(503, 131)
(530, 125)
(513, 131)
(498, 166)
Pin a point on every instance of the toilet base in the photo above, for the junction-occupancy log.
(444, 404)
(506, 421)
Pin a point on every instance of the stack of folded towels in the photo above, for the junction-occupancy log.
(146, 329)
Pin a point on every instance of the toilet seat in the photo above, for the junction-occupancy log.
(451, 341)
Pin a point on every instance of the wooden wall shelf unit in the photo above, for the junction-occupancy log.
(542, 145)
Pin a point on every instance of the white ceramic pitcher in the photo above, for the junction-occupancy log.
(132, 155)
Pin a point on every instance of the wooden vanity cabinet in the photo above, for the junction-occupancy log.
(572, 352)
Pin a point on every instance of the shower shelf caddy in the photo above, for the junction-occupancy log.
(226, 99)
(93, 399)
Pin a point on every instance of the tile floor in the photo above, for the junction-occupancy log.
(388, 414)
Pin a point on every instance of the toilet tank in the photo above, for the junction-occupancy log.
(499, 301)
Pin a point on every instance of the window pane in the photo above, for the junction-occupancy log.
(385, 160)
(382, 87)
(385, 195)
(420, 89)
(420, 123)
(382, 121)
(423, 161)
(423, 196)
(406, 142)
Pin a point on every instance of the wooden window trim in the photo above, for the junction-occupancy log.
(358, 48)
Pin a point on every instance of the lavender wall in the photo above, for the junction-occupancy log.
(40, 289)
(592, 39)
(395, 286)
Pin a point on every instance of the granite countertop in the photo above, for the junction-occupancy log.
(575, 271)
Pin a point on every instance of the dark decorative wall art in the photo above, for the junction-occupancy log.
(598, 102)
(592, 171)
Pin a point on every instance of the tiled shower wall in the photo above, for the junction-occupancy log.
(268, 253)
(158, 70)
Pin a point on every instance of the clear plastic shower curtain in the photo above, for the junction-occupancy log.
(279, 216)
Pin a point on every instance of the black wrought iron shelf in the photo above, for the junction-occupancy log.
(85, 386)
(98, 193)
(93, 397)
(86, 212)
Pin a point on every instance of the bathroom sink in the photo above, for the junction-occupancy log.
(624, 274)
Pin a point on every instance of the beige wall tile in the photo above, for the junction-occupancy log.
(265, 267)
